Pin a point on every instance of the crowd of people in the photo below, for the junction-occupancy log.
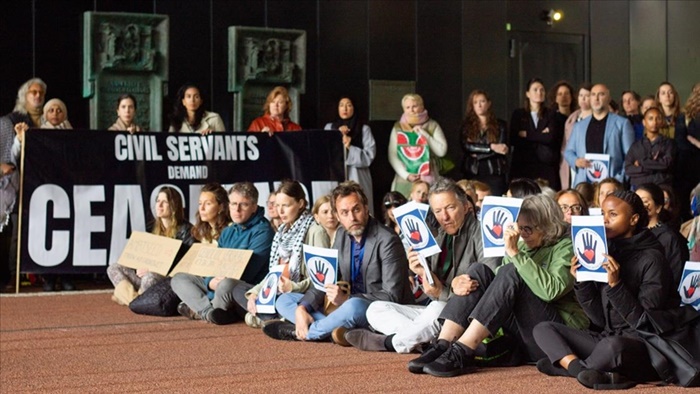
(461, 310)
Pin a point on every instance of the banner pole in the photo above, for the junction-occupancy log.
(19, 216)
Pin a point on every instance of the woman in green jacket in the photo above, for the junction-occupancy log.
(532, 285)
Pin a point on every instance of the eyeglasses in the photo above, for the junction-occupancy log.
(392, 204)
(576, 208)
(526, 230)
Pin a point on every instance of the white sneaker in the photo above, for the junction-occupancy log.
(252, 321)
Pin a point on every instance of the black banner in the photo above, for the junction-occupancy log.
(84, 192)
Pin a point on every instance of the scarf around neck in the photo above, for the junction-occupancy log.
(287, 245)
(355, 130)
(409, 121)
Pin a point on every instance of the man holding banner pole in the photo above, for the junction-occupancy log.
(212, 299)
(370, 257)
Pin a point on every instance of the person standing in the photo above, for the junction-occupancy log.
(603, 132)
(359, 145)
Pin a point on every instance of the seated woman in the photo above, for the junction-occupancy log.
(189, 115)
(212, 218)
(638, 279)
(674, 244)
(360, 147)
(419, 191)
(691, 229)
(276, 113)
(522, 187)
(571, 203)
(484, 143)
(55, 115)
(271, 212)
(604, 188)
(323, 215)
(297, 228)
(415, 132)
(126, 114)
(169, 222)
(587, 191)
(651, 159)
(533, 285)
(392, 200)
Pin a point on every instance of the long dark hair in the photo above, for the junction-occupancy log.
(471, 127)
(553, 97)
(179, 115)
(352, 123)
(526, 103)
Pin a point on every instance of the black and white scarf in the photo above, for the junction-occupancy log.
(287, 244)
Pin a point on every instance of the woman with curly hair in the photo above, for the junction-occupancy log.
(484, 143)
(276, 109)
(688, 157)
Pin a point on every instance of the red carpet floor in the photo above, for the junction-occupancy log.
(82, 342)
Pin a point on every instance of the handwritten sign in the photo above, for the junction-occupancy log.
(590, 243)
(208, 260)
(152, 252)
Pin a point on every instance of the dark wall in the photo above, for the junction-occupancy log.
(448, 47)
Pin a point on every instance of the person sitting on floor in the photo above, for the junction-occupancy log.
(403, 327)
(533, 285)
(370, 257)
(638, 279)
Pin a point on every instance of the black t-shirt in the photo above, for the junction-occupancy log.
(595, 135)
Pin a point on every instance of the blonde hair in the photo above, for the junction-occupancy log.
(412, 96)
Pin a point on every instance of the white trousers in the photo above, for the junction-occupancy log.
(411, 325)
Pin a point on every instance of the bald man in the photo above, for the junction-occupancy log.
(603, 133)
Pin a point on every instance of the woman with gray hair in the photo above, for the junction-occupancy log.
(533, 285)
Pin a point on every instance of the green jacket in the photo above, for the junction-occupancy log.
(545, 270)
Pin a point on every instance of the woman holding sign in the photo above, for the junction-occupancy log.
(533, 285)
(169, 222)
(416, 145)
(638, 280)
(297, 228)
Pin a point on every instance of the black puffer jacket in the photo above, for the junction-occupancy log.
(645, 284)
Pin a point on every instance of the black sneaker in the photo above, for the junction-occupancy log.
(280, 330)
(185, 310)
(435, 350)
(604, 380)
(457, 360)
(546, 367)
(219, 316)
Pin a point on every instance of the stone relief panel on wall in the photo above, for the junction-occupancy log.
(259, 60)
(125, 53)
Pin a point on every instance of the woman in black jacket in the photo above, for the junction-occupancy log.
(535, 136)
(484, 143)
(638, 279)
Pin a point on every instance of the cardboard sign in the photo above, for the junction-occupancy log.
(497, 214)
(322, 266)
(599, 169)
(208, 260)
(590, 243)
(152, 252)
(265, 303)
(689, 288)
(411, 220)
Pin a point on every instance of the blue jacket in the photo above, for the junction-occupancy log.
(619, 137)
(256, 234)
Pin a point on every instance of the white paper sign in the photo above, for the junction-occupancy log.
(322, 266)
(599, 169)
(411, 220)
(497, 214)
(689, 288)
(590, 243)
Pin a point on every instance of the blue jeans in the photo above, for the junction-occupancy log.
(351, 314)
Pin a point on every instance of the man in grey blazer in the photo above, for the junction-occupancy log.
(371, 259)
(604, 132)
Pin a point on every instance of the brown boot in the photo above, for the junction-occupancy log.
(124, 292)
